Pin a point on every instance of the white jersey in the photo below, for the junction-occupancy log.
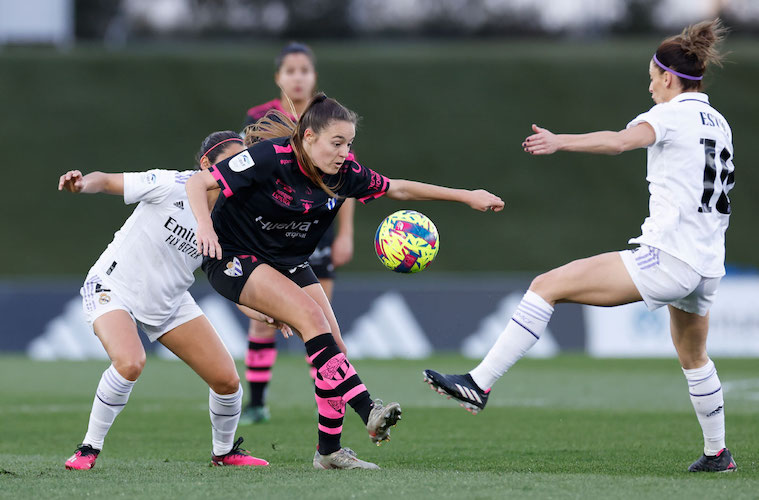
(152, 258)
(690, 172)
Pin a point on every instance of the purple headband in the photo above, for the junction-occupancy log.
(681, 75)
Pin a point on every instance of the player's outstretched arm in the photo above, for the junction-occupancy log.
(94, 182)
(544, 142)
(479, 199)
(196, 187)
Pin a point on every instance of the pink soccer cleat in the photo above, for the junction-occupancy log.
(237, 457)
(83, 459)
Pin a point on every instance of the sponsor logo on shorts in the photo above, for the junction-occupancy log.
(242, 161)
(104, 298)
(234, 268)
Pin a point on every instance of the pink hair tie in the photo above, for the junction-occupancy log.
(219, 144)
(681, 75)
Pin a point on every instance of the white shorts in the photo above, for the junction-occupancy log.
(663, 280)
(99, 298)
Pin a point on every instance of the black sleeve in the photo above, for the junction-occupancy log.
(245, 169)
(362, 183)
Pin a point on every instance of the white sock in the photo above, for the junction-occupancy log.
(111, 396)
(524, 329)
(225, 413)
(706, 395)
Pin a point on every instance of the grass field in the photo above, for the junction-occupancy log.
(571, 427)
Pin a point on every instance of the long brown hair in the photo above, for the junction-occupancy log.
(693, 50)
(318, 115)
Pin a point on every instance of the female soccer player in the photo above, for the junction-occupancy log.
(141, 280)
(681, 252)
(278, 198)
(295, 76)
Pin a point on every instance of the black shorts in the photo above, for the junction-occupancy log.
(321, 259)
(229, 275)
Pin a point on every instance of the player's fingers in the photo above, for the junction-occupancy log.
(535, 128)
(218, 249)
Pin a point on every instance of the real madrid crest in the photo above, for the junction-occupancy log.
(104, 298)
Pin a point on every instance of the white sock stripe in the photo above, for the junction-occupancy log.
(116, 384)
(535, 310)
(532, 314)
(536, 300)
(692, 383)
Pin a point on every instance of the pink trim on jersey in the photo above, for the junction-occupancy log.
(330, 430)
(283, 149)
(219, 178)
(354, 392)
(375, 195)
(351, 157)
(258, 112)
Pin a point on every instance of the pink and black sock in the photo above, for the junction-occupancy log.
(262, 353)
(334, 372)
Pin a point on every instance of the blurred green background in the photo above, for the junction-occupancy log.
(451, 113)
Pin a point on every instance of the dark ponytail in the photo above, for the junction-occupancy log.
(692, 51)
(209, 145)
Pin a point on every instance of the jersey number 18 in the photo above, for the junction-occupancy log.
(726, 177)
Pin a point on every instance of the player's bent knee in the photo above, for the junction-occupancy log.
(313, 319)
(542, 284)
(228, 385)
(130, 368)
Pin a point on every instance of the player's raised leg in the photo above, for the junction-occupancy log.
(197, 344)
(602, 280)
(118, 333)
(689, 332)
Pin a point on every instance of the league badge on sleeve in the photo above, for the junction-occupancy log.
(234, 268)
(240, 162)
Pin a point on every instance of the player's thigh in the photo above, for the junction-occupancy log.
(117, 332)
(689, 332)
(601, 280)
(270, 292)
(197, 344)
(328, 285)
(316, 292)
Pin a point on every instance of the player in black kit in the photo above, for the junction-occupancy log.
(278, 197)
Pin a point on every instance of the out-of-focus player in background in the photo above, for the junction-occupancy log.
(295, 75)
(680, 258)
(142, 280)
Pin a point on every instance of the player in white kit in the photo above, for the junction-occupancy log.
(681, 252)
(142, 280)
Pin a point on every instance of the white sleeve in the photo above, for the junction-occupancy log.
(659, 117)
(152, 186)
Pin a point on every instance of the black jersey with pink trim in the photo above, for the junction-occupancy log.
(271, 209)
(257, 112)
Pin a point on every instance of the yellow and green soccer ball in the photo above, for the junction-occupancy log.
(406, 242)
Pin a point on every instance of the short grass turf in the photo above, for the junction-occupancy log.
(570, 427)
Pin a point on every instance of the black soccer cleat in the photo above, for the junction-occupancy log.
(721, 462)
(460, 387)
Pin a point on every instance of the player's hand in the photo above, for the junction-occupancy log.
(72, 181)
(208, 242)
(542, 142)
(342, 250)
(483, 201)
(287, 332)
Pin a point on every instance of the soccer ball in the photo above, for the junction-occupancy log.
(406, 242)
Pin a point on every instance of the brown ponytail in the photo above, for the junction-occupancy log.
(693, 50)
(318, 115)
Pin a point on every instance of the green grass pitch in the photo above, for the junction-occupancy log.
(570, 427)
